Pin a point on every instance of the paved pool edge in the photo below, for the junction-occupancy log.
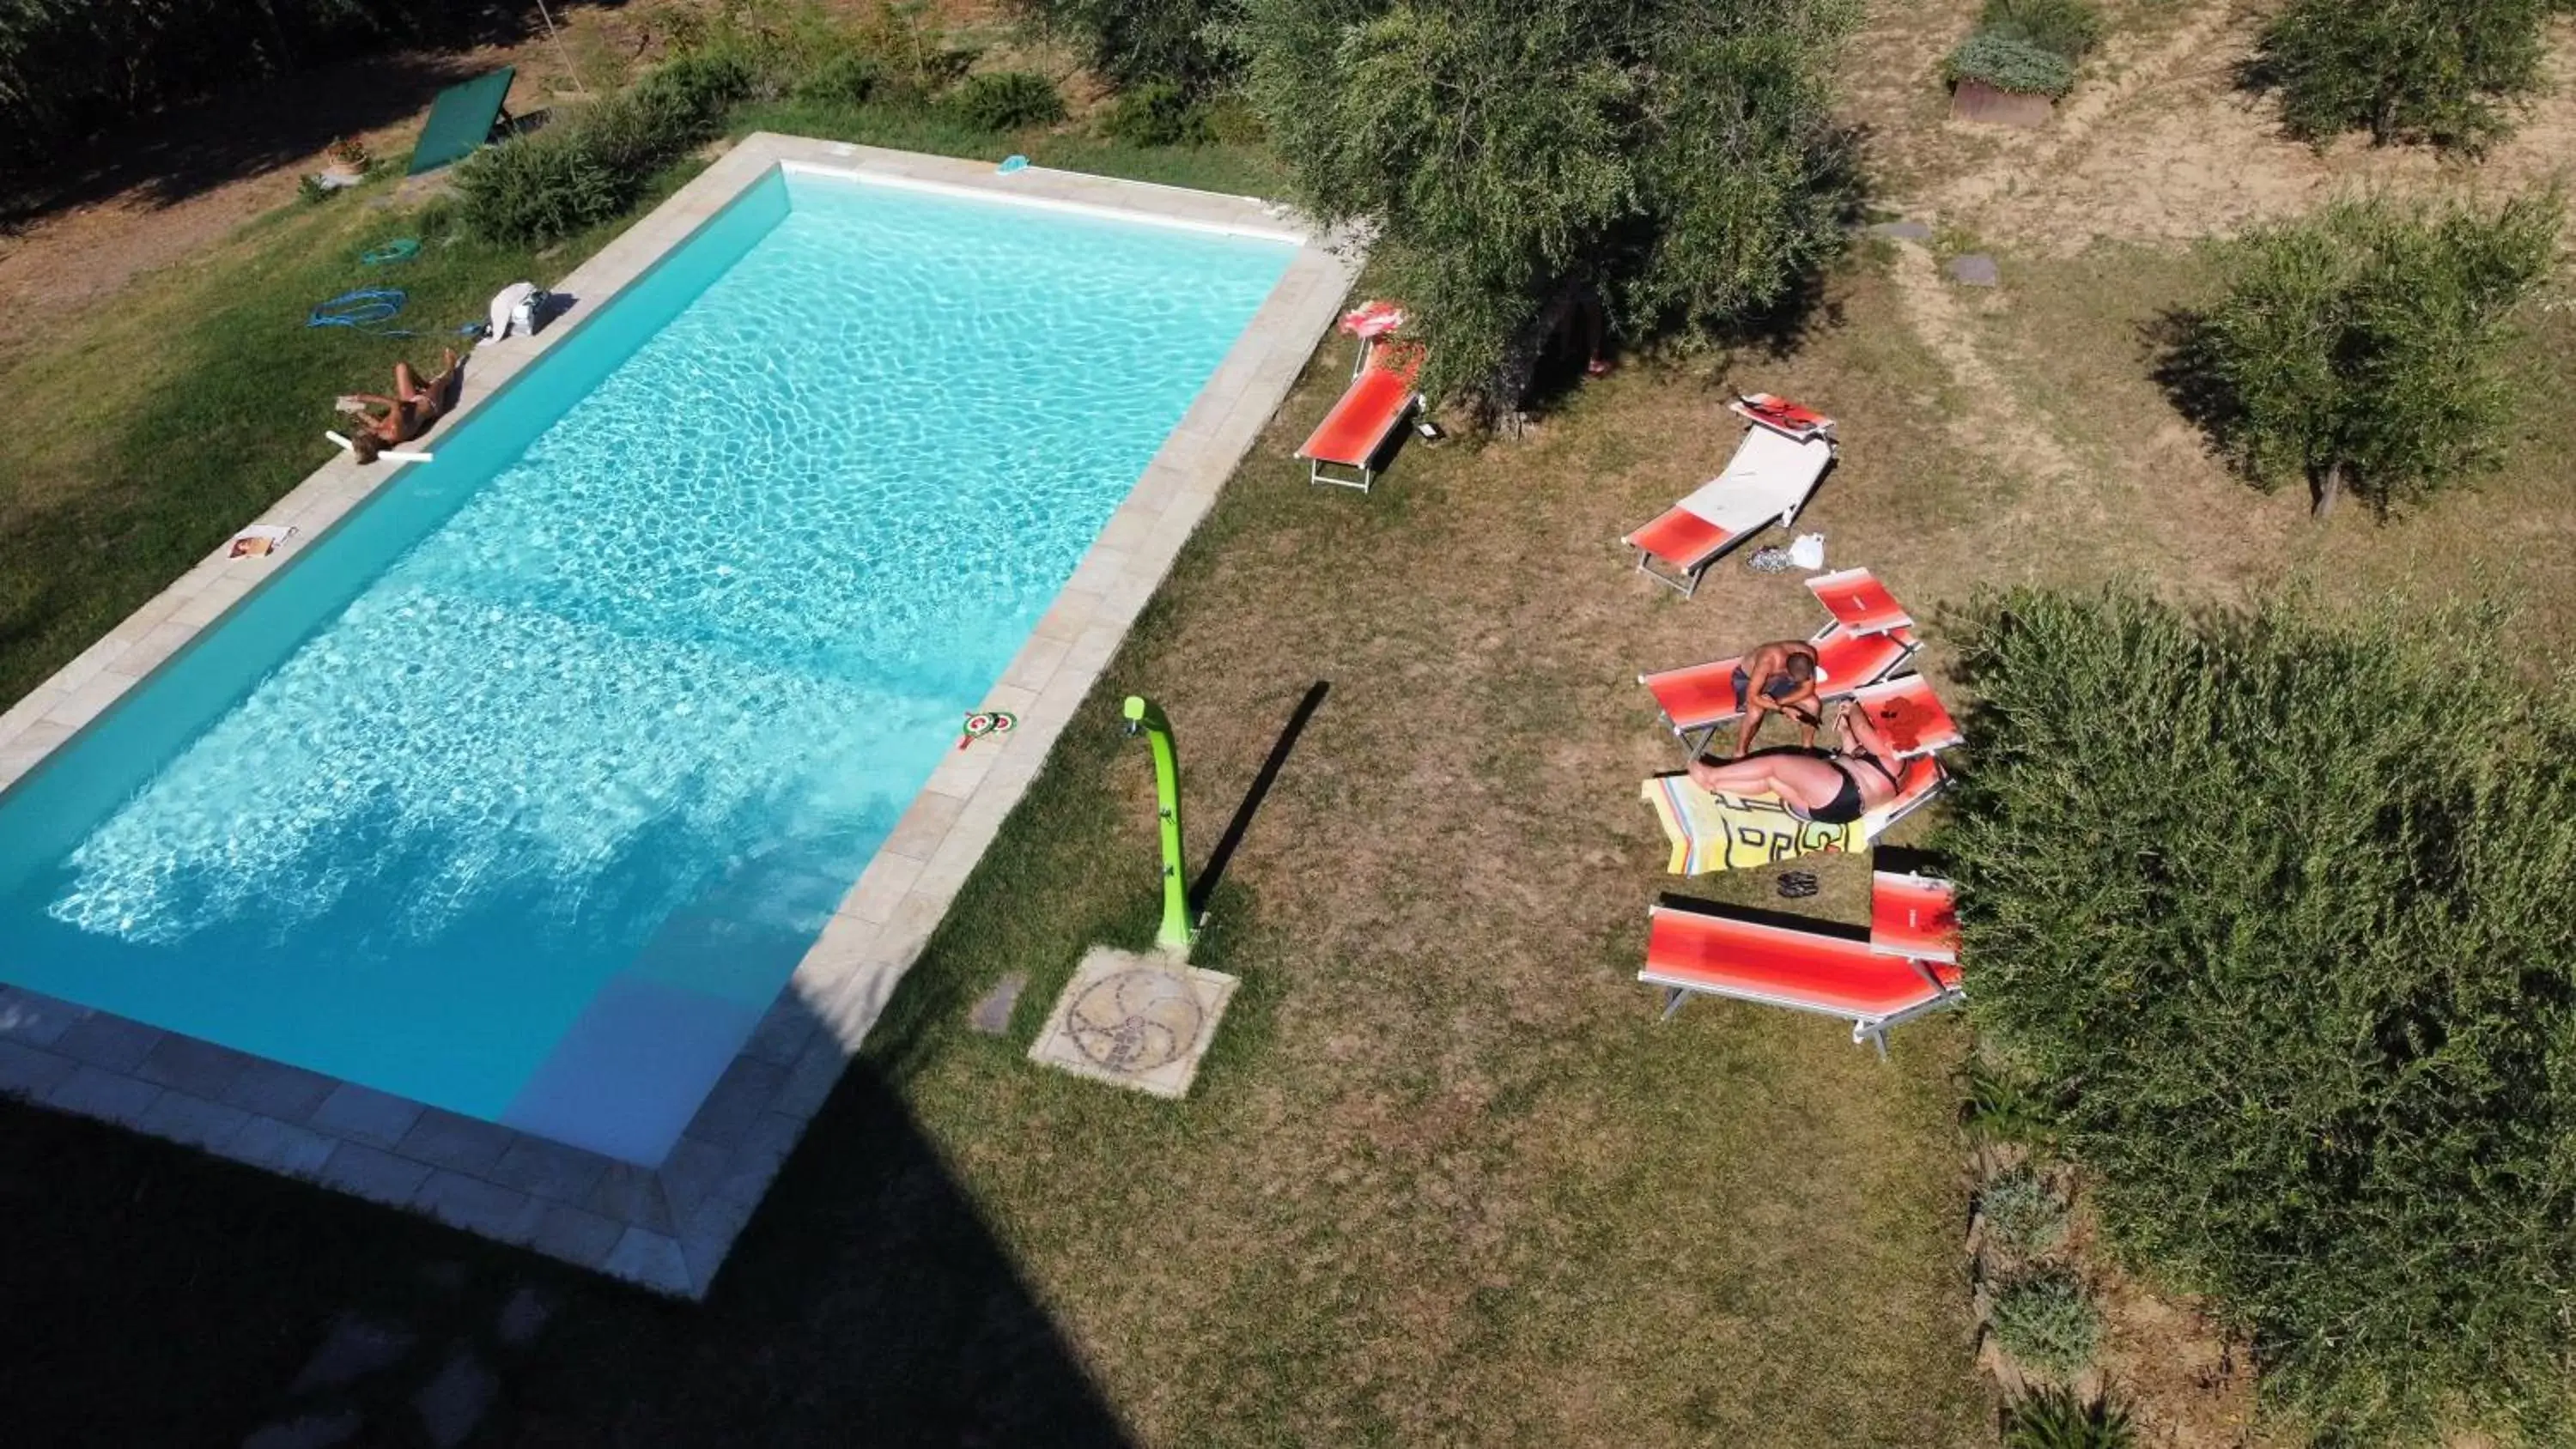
(669, 1229)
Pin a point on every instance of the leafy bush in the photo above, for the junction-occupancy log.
(2362, 347)
(1158, 113)
(2047, 1322)
(2009, 63)
(2286, 946)
(850, 78)
(1006, 100)
(691, 94)
(1137, 42)
(2057, 1418)
(2403, 70)
(539, 188)
(2068, 29)
(1676, 158)
(593, 165)
(2024, 1216)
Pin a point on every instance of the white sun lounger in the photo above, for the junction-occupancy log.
(1768, 481)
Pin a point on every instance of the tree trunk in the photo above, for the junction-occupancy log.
(2326, 487)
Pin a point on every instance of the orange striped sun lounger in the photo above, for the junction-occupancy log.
(1909, 714)
(1699, 701)
(1356, 432)
(1711, 832)
(1773, 473)
(1705, 949)
(1859, 602)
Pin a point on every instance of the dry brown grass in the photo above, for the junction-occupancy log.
(1452, 1182)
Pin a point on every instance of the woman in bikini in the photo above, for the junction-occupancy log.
(1829, 787)
(407, 414)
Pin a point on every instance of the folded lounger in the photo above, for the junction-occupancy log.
(1356, 431)
(1909, 714)
(1699, 701)
(1700, 948)
(461, 119)
(1737, 832)
(1859, 602)
(1774, 470)
(1913, 915)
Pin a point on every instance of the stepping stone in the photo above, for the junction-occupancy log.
(454, 1402)
(1976, 270)
(522, 1317)
(992, 1015)
(355, 1347)
(306, 1431)
(1913, 231)
(1140, 1021)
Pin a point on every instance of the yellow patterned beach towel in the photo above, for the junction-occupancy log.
(1733, 832)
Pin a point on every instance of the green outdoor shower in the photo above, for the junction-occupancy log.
(1178, 931)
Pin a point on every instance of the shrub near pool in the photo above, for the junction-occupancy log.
(592, 166)
(1006, 100)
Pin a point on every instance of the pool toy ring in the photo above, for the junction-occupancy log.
(984, 722)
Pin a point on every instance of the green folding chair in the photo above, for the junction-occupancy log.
(461, 120)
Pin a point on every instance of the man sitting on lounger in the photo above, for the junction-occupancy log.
(407, 414)
(1828, 787)
(1778, 678)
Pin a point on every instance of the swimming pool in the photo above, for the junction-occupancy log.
(522, 793)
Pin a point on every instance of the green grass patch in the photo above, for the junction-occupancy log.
(143, 437)
(1446, 1179)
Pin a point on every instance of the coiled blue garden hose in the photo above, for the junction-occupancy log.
(362, 308)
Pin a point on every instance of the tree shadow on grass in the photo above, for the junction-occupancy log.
(153, 1295)
(263, 123)
(2181, 350)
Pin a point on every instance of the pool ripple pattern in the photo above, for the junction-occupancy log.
(728, 610)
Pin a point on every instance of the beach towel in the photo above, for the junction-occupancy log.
(1711, 832)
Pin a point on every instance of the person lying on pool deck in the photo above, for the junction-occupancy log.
(1777, 678)
(1829, 787)
(407, 414)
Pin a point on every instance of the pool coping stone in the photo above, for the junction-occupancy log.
(669, 1228)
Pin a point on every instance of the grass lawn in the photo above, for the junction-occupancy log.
(1447, 1178)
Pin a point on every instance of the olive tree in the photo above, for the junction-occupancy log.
(2431, 70)
(2271, 910)
(2361, 349)
(1670, 161)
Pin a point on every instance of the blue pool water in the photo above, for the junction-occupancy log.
(523, 791)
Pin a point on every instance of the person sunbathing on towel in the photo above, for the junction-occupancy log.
(1777, 678)
(1828, 787)
(407, 414)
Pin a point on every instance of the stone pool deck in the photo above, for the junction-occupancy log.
(669, 1228)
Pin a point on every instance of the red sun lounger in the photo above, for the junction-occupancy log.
(1768, 481)
(1703, 949)
(1915, 916)
(1358, 428)
(1699, 701)
(1859, 602)
(1909, 714)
